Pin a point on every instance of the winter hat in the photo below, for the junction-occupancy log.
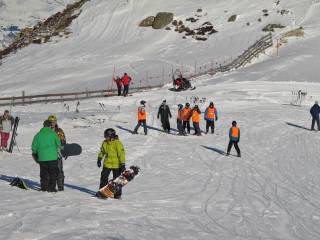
(316, 102)
(234, 123)
(47, 123)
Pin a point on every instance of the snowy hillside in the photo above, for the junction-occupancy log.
(187, 189)
(106, 35)
(23, 14)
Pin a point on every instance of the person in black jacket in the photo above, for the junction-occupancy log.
(315, 111)
(164, 112)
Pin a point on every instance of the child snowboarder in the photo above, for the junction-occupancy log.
(234, 136)
(210, 115)
(114, 157)
(62, 137)
(142, 118)
(179, 120)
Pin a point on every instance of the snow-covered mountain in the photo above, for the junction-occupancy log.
(106, 35)
(188, 188)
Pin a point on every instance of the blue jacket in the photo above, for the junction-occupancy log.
(234, 139)
(315, 111)
(211, 119)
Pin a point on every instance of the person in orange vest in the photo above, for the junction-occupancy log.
(186, 115)
(142, 118)
(126, 79)
(196, 115)
(234, 136)
(210, 116)
(179, 120)
(118, 82)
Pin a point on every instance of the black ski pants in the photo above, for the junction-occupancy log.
(144, 124)
(186, 124)
(60, 178)
(119, 89)
(235, 143)
(315, 120)
(105, 178)
(197, 130)
(48, 175)
(125, 90)
(210, 124)
(165, 124)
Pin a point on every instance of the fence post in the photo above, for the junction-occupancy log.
(23, 95)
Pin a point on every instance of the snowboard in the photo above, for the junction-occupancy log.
(71, 149)
(14, 134)
(18, 182)
(114, 187)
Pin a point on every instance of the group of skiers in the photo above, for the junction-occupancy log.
(184, 115)
(123, 81)
(47, 143)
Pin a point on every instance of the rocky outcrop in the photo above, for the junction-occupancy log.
(232, 18)
(271, 27)
(162, 19)
(147, 22)
(56, 25)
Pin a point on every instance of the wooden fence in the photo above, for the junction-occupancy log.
(252, 52)
(62, 97)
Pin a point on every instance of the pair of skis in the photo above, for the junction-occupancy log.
(14, 134)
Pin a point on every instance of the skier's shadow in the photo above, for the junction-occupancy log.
(214, 149)
(297, 126)
(36, 186)
(148, 127)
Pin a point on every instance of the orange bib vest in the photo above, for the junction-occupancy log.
(235, 132)
(195, 116)
(186, 114)
(211, 113)
(142, 115)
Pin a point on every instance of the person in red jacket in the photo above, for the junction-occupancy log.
(118, 82)
(126, 79)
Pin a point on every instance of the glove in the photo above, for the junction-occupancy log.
(99, 163)
(122, 168)
(216, 118)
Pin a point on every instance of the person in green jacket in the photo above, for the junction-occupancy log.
(45, 148)
(114, 157)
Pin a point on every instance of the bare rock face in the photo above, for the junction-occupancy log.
(162, 19)
(147, 22)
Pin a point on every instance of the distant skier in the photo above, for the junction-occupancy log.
(6, 123)
(234, 136)
(126, 79)
(315, 111)
(118, 82)
(186, 115)
(179, 120)
(45, 147)
(112, 151)
(210, 115)
(164, 113)
(62, 137)
(196, 115)
(142, 118)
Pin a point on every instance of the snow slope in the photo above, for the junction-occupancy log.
(106, 36)
(187, 188)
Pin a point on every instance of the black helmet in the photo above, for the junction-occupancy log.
(142, 102)
(211, 103)
(180, 106)
(110, 133)
(234, 123)
(187, 104)
(196, 106)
